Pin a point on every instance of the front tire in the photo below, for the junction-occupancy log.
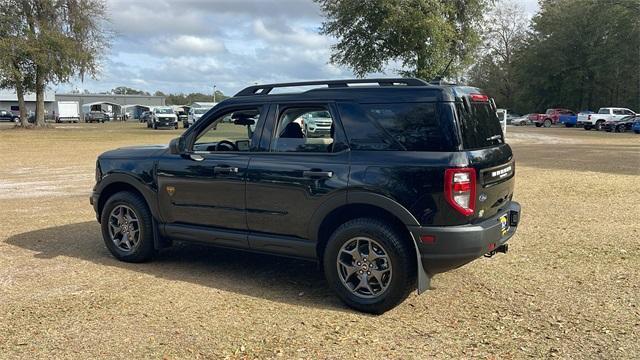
(369, 265)
(127, 228)
(547, 123)
(621, 128)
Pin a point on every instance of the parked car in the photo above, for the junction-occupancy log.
(6, 115)
(144, 117)
(401, 189)
(317, 123)
(621, 125)
(96, 116)
(597, 120)
(636, 126)
(162, 117)
(183, 117)
(195, 113)
(521, 120)
(550, 117)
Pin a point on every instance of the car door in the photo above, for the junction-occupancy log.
(206, 186)
(295, 175)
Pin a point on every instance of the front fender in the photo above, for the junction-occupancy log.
(114, 180)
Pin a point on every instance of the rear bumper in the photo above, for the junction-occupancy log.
(454, 246)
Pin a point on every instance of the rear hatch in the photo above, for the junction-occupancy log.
(484, 142)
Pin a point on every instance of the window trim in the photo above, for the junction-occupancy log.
(205, 123)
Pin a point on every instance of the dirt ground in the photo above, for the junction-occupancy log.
(568, 288)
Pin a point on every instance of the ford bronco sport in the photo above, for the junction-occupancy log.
(413, 179)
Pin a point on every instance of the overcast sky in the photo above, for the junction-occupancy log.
(190, 45)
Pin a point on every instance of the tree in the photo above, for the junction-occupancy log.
(123, 90)
(427, 38)
(66, 38)
(581, 55)
(16, 70)
(503, 35)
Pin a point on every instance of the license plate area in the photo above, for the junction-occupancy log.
(504, 224)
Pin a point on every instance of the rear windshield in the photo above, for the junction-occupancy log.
(603, 111)
(480, 127)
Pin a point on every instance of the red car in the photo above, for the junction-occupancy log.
(550, 117)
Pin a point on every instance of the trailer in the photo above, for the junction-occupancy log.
(68, 111)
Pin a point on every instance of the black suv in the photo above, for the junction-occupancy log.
(413, 179)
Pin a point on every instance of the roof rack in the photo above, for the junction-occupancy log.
(266, 89)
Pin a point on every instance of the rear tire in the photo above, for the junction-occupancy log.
(538, 125)
(599, 125)
(587, 127)
(119, 213)
(390, 275)
(621, 128)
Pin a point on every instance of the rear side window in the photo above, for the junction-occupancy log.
(396, 126)
(479, 127)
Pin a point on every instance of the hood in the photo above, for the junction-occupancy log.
(135, 151)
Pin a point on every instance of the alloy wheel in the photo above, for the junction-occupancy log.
(124, 228)
(364, 267)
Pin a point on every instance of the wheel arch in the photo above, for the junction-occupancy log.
(115, 183)
(361, 205)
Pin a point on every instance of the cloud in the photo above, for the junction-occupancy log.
(190, 45)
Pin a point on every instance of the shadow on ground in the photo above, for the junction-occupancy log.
(272, 278)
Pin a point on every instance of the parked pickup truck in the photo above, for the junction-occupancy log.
(597, 121)
(550, 117)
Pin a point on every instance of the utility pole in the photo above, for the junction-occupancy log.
(214, 93)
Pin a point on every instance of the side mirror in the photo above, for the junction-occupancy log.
(177, 146)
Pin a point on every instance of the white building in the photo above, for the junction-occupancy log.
(9, 101)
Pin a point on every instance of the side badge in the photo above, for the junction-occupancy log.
(482, 197)
(171, 190)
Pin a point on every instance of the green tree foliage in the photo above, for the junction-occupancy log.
(123, 90)
(187, 99)
(581, 55)
(62, 39)
(16, 68)
(503, 36)
(421, 36)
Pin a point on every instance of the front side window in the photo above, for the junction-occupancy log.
(304, 129)
(232, 131)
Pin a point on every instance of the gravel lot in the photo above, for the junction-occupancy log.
(569, 287)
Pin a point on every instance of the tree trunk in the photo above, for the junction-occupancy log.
(39, 98)
(21, 105)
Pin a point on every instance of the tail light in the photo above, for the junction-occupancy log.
(589, 117)
(460, 189)
(479, 97)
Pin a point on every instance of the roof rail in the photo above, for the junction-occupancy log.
(266, 89)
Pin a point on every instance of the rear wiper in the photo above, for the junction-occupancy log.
(494, 137)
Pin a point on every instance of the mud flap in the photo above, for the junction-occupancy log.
(424, 280)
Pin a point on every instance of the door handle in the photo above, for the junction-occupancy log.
(225, 170)
(317, 174)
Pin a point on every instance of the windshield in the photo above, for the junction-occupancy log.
(164, 111)
(200, 110)
(549, 112)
